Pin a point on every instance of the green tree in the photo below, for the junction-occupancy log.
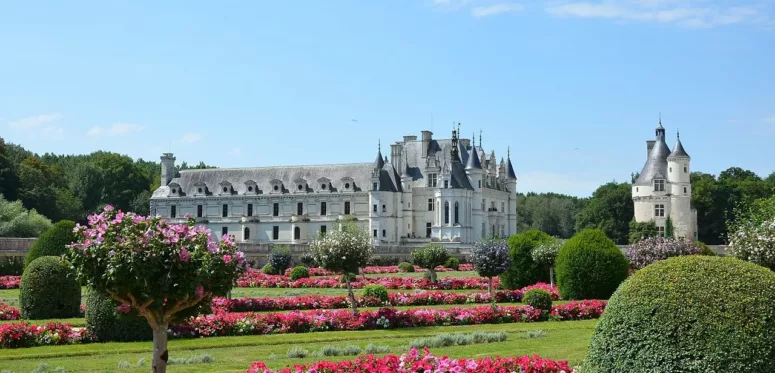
(669, 227)
(86, 184)
(430, 257)
(610, 210)
(16, 221)
(552, 213)
(123, 180)
(639, 231)
(53, 242)
(9, 180)
(523, 270)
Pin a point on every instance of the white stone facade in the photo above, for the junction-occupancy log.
(664, 189)
(443, 190)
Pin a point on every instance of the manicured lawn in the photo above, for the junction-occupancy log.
(564, 341)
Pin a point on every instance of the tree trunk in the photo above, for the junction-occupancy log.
(160, 354)
(432, 273)
(351, 295)
(551, 276)
(489, 285)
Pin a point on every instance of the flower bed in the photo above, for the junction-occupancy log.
(10, 282)
(8, 313)
(376, 270)
(222, 323)
(255, 278)
(415, 362)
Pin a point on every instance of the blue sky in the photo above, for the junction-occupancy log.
(574, 88)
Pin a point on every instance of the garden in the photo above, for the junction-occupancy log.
(133, 293)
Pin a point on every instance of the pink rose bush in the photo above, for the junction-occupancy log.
(15, 335)
(583, 310)
(414, 362)
(551, 289)
(10, 282)
(378, 270)
(9, 313)
(253, 278)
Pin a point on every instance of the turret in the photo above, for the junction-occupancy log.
(167, 168)
(474, 170)
(678, 165)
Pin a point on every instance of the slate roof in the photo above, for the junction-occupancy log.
(656, 164)
(678, 150)
(441, 150)
(473, 162)
(510, 170)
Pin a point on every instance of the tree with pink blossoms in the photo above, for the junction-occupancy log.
(164, 271)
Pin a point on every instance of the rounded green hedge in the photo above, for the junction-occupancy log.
(704, 249)
(376, 291)
(590, 266)
(405, 267)
(523, 270)
(109, 325)
(49, 290)
(52, 242)
(267, 269)
(689, 314)
(538, 298)
(299, 272)
(452, 263)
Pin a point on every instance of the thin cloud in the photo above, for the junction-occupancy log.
(685, 13)
(114, 129)
(190, 138)
(770, 120)
(36, 121)
(235, 152)
(491, 10)
(52, 132)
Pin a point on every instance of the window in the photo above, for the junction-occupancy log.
(375, 233)
(432, 180)
(503, 206)
(322, 208)
(300, 208)
(224, 231)
(296, 233)
(428, 230)
(685, 190)
(384, 208)
(484, 229)
(480, 183)
(173, 211)
(246, 234)
(276, 188)
(323, 186)
(659, 185)
(347, 185)
(661, 231)
(374, 208)
(457, 210)
(225, 211)
(198, 211)
(347, 207)
(225, 189)
(446, 184)
(250, 188)
(250, 209)
(670, 169)
(659, 210)
(275, 232)
(430, 204)
(636, 189)
(322, 230)
(503, 230)
(275, 209)
(374, 187)
(384, 233)
(446, 212)
(301, 187)
(686, 169)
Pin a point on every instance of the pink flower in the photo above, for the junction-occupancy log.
(124, 308)
(109, 208)
(184, 255)
(200, 291)
(227, 258)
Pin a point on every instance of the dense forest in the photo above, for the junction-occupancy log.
(72, 186)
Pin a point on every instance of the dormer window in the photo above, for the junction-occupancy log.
(301, 185)
(226, 188)
(325, 184)
(201, 189)
(277, 186)
(251, 187)
(175, 190)
(348, 184)
(659, 185)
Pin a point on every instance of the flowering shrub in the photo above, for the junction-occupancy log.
(8, 313)
(652, 249)
(14, 335)
(164, 271)
(413, 362)
(546, 254)
(581, 310)
(490, 258)
(254, 278)
(754, 242)
(378, 270)
(551, 289)
(10, 282)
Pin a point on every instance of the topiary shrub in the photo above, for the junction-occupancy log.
(538, 298)
(689, 314)
(280, 258)
(590, 266)
(704, 249)
(453, 263)
(52, 242)
(376, 291)
(352, 276)
(267, 269)
(308, 260)
(405, 267)
(299, 272)
(49, 290)
(430, 257)
(523, 270)
(108, 324)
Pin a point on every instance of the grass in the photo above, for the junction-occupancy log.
(563, 340)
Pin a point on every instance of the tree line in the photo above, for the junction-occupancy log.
(69, 187)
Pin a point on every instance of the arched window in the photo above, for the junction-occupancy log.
(446, 212)
(296, 233)
(457, 210)
(246, 234)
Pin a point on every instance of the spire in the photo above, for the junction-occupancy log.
(480, 138)
(660, 130)
(678, 150)
(473, 160)
(379, 162)
(509, 168)
(454, 152)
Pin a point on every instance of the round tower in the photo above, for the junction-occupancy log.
(679, 179)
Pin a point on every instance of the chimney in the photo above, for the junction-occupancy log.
(427, 136)
(167, 168)
(649, 146)
(410, 138)
(395, 155)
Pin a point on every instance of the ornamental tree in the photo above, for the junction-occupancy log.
(546, 254)
(752, 233)
(165, 272)
(490, 258)
(344, 251)
(652, 249)
(430, 257)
